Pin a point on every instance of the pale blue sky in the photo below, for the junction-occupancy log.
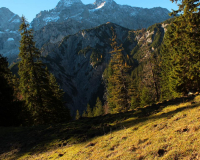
(29, 8)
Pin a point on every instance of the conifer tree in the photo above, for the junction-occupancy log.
(136, 76)
(89, 111)
(168, 90)
(118, 94)
(98, 109)
(77, 115)
(56, 103)
(38, 88)
(145, 98)
(181, 50)
(84, 114)
(154, 62)
(135, 101)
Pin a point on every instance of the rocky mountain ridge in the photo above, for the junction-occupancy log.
(9, 20)
(69, 17)
(100, 12)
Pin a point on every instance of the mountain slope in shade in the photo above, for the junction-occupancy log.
(9, 34)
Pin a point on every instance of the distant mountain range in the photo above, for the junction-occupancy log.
(100, 12)
(71, 16)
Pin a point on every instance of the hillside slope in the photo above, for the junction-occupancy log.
(168, 130)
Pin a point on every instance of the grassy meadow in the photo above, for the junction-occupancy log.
(167, 130)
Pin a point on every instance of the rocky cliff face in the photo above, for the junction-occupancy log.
(9, 35)
(79, 60)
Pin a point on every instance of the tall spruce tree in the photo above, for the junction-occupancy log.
(56, 103)
(146, 97)
(89, 111)
(98, 109)
(38, 88)
(181, 50)
(117, 85)
(77, 115)
(84, 114)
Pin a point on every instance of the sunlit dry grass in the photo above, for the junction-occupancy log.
(172, 133)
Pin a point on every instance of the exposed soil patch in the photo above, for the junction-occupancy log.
(161, 152)
(182, 130)
(60, 154)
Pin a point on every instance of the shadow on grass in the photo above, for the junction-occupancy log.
(34, 140)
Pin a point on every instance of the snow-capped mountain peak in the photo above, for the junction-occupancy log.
(101, 3)
(100, 6)
(67, 3)
(100, 12)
